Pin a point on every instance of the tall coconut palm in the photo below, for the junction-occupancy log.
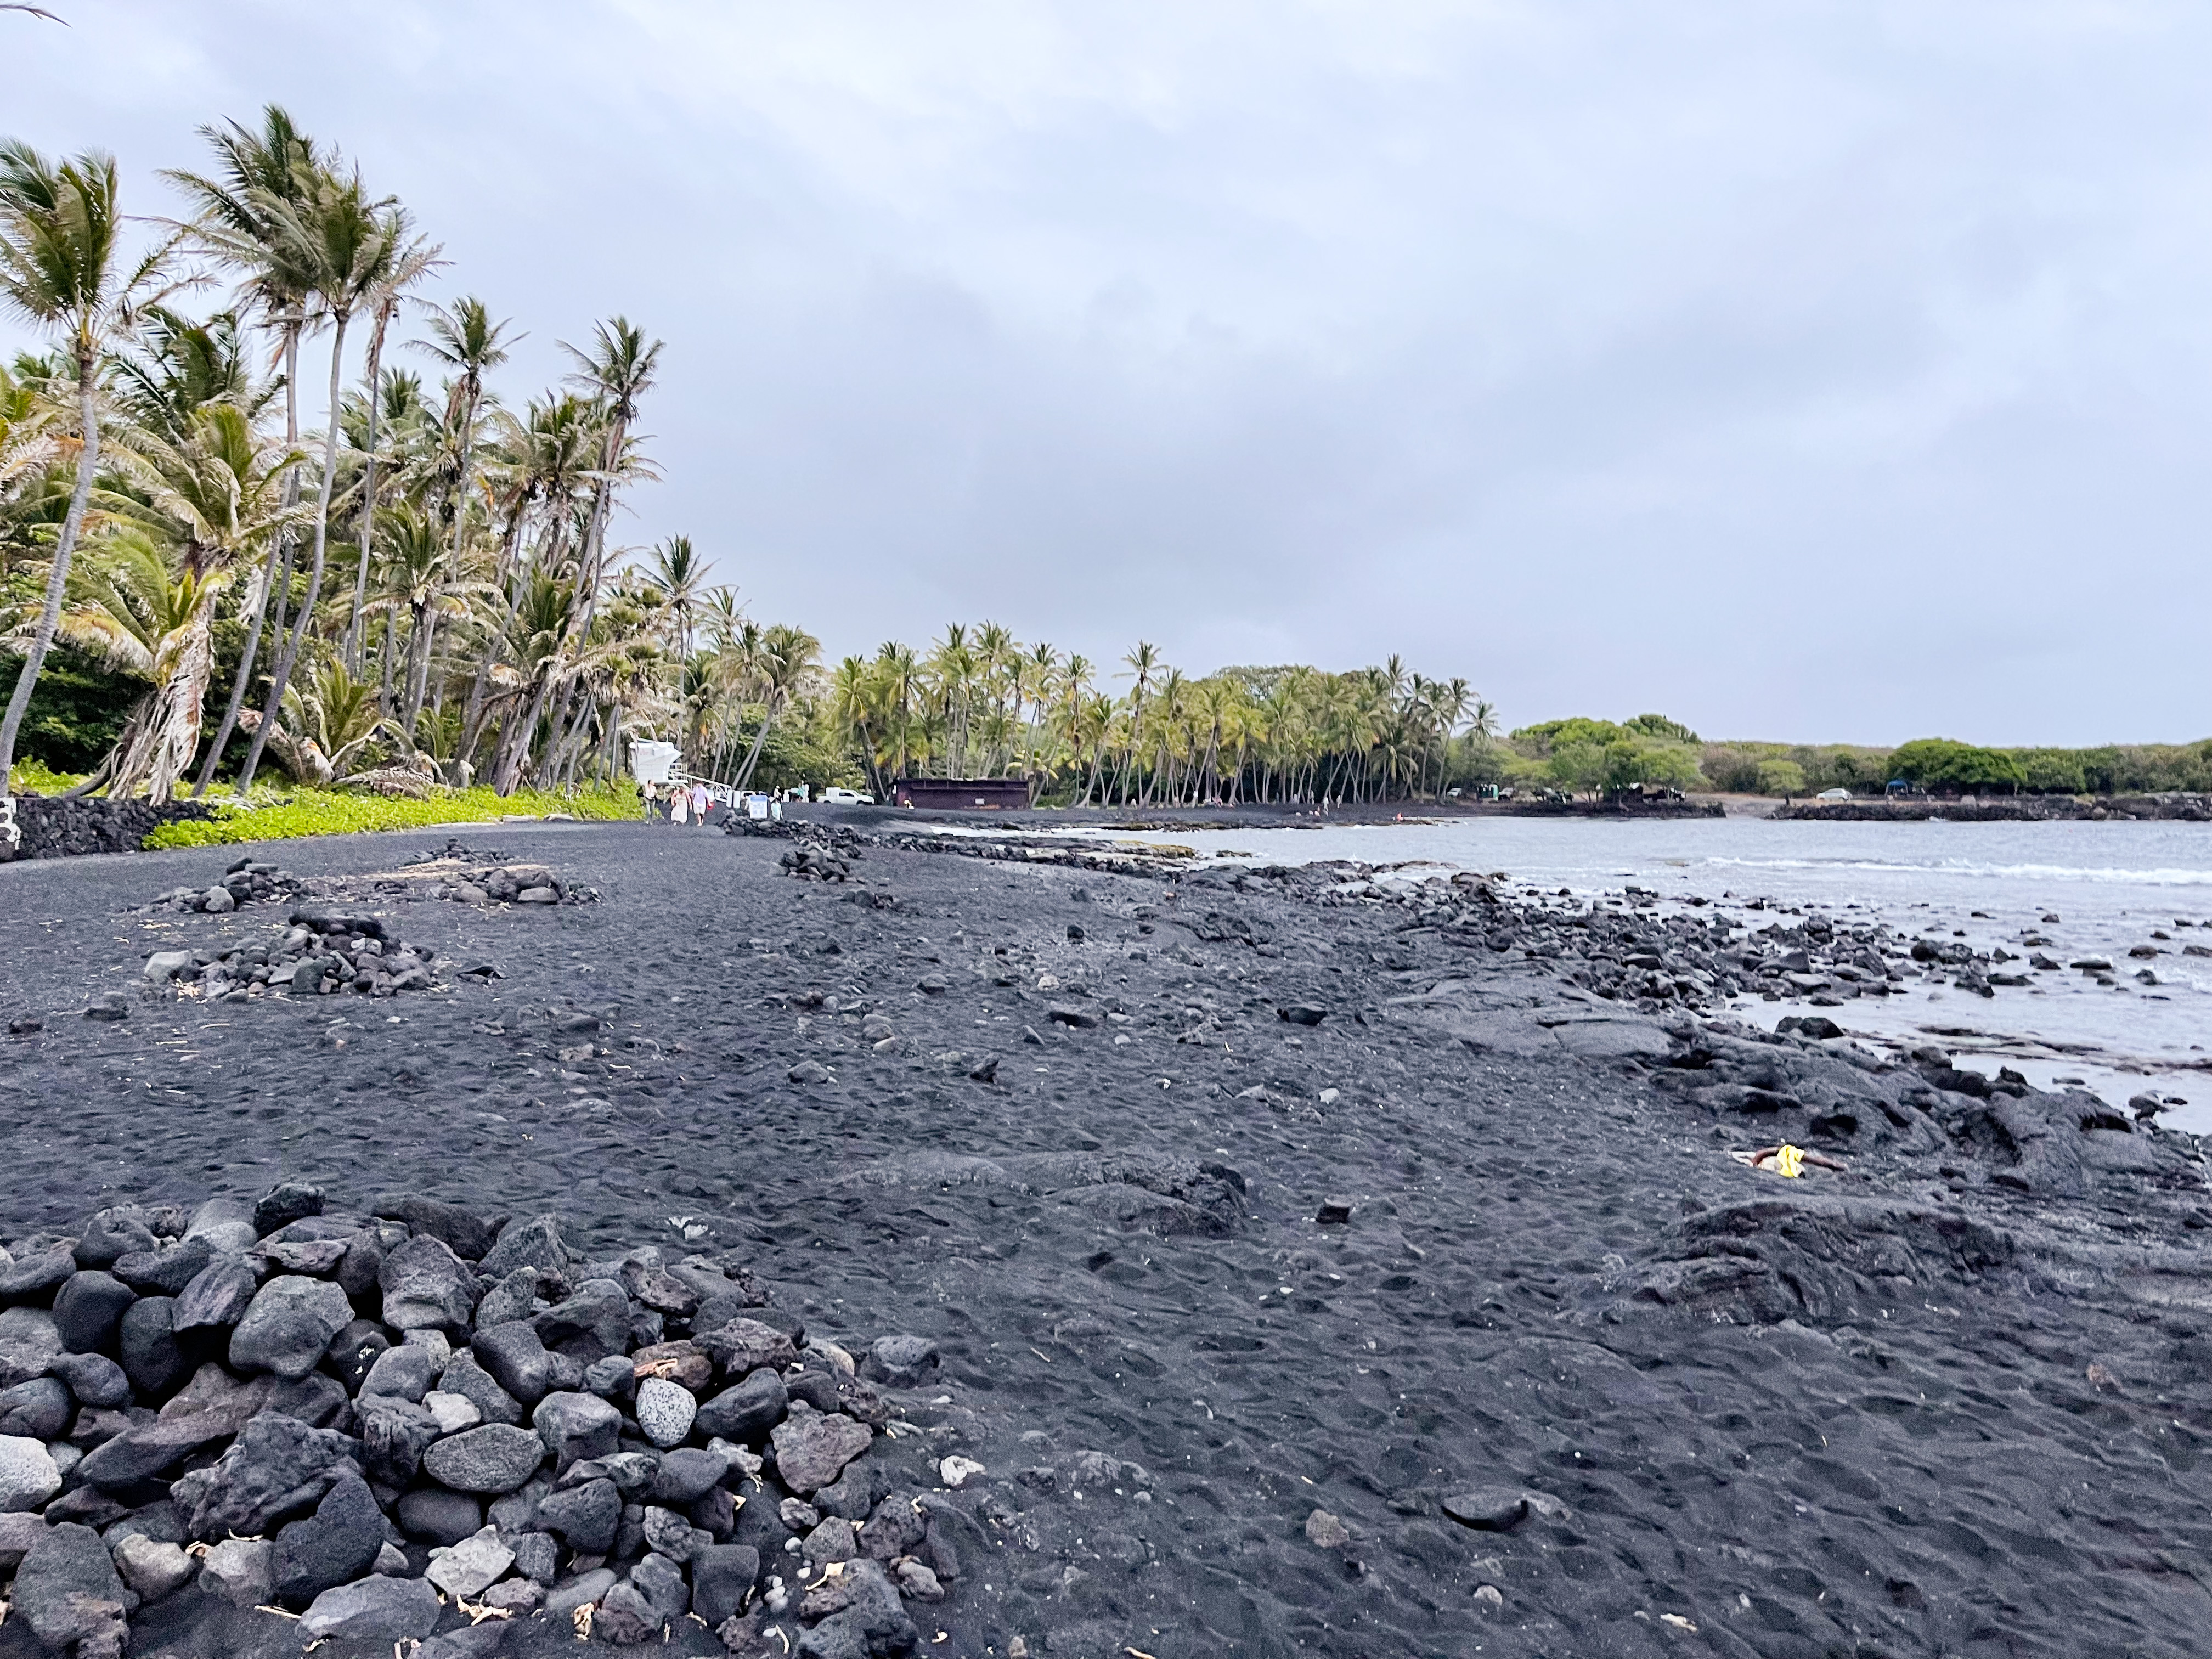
(349, 245)
(679, 575)
(60, 228)
(617, 372)
(466, 339)
(1143, 662)
(409, 261)
(235, 220)
(788, 657)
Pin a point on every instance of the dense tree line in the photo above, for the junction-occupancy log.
(1944, 766)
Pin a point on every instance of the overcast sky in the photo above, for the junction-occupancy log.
(1812, 371)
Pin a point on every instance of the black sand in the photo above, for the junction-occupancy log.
(1891, 1411)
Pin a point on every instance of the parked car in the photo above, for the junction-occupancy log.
(1834, 794)
(845, 797)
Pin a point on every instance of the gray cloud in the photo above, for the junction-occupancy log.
(1819, 371)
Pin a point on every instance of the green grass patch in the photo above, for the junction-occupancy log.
(338, 812)
(34, 777)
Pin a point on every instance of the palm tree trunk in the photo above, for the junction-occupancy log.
(417, 629)
(165, 743)
(419, 684)
(384, 659)
(290, 655)
(463, 495)
(87, 462)
(760, 739)
(267, 583)
(367, 491)
(514, 755)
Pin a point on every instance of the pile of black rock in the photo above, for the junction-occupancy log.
(515, 884)
(247, 882)
(413, 1423)
(319, 954)
(820, 863)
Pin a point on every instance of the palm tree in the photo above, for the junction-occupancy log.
(463, 337)
(130, 609)
(466, 340)
(788, 656)
(219, 492)
(28, 444)
(680, 575)
(419, 581)
(544, 459)
(536, 631)
(237, 223)
(349, 245)
(617, 372)
(410, 260)
(1142, 662)
(59, 229)
(183, 366)
(327, 725)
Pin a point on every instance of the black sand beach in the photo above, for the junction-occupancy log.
(1569, 1380)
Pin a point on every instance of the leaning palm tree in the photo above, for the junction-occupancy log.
(219, 492)
(135, 608)
(617, 372)
(60, 233)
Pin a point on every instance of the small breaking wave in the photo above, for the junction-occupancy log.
(1975, 869)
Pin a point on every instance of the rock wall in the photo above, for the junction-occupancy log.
(55, 828)
(2021, 809)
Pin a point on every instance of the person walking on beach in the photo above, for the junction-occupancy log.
(679, 804)
(702, 802)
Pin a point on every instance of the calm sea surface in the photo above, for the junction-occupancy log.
(2111, 885)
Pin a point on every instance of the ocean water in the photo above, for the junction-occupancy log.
(2111, 887)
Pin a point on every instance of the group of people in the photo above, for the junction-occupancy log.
(678, 803)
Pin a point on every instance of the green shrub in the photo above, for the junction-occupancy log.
(337, 813)
(1942, 763)
(39, 779)
(77, 710)
(1781, 777)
